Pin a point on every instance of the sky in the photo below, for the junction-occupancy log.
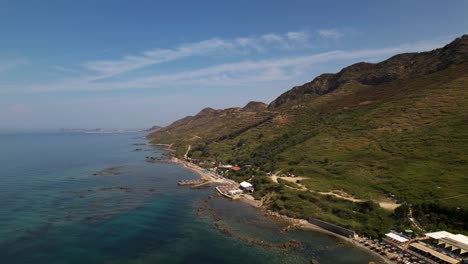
(135, 64)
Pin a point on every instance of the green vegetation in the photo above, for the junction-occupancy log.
(238, 132)
(406, 137)
(438, 217)
(366, 217)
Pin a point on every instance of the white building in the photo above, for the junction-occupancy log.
(395, 239)
(455, 243)
(247, 187)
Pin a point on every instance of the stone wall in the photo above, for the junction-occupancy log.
(333, 228)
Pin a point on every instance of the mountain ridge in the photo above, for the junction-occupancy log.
(400, 66)
(396, 127)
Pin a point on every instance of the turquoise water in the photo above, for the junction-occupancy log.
(53, 209)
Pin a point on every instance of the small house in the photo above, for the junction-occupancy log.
(246, 187)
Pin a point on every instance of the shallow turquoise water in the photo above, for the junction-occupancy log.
(54, 210)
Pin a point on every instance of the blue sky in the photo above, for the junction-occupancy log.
(133, 64)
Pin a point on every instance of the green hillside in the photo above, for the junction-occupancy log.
(397, 127)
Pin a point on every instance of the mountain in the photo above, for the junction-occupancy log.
(152, 129)
(99, 131)
(209, 125)
(396, 128)
(402, 66)
(254, 106)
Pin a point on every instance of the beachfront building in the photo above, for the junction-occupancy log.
(395, 239)
(441, 247)
(246, 187)
(449, 244)
(423, 251)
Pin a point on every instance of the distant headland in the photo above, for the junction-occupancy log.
(108, 131)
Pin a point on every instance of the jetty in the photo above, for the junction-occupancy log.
(230, 190)
(191, 182)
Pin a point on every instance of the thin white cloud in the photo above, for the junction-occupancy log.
(249, 43)
(64, 69)
(12, 64)
(231, 74)
(330, 33)
(109, 68)
(297, 36)
(272, 38)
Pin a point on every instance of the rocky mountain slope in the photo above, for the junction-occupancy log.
(402, 66)
(399, 126)
(209, 125)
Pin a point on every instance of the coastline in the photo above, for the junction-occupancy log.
(192, 168)
(295, 222)
(203, 175)
(306, 225)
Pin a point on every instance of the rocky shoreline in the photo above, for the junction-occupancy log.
(295, 223)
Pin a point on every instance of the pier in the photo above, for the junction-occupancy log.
(230, 190)
(191, 182)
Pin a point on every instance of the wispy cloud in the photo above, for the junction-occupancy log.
(297, 36)
(330, 33)
(251, 72)
(109, 68)
(12, 64)
(64, 69)
(231, 74)
(272, 38)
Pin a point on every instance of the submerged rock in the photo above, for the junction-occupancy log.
(112, 171)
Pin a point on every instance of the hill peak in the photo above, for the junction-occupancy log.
(206, 111)
(254, 106)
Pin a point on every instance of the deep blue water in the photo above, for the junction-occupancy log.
(53, 209)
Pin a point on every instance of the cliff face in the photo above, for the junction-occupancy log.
(399, 67)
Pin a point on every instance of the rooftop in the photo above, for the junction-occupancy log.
(449, 240)
(449, 237)
(434, 253)
(439, 234)
(245, 184)
(396, 237)
(460, 238)
(455, 242)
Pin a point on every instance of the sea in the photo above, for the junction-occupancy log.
(93, 198)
